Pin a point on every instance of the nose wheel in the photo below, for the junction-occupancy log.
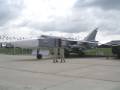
(39, 56)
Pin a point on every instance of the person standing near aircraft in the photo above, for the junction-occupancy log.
(61, 50)
(55, 55)
(58, 51)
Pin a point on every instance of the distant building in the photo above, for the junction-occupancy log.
(109, 44)
(114, 42)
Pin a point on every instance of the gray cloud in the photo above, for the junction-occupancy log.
(77, 22)
(63, 26)
(107, 4)
(104, 4)
(81, 20)
(9, 9)
(85, 16)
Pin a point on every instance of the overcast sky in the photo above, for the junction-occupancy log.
(61, 18)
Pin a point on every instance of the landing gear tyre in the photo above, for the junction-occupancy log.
(39, 56)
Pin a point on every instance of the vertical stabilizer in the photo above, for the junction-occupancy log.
(91, 36)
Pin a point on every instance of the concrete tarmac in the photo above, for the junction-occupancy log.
(27, 73)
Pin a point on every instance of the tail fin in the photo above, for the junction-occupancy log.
(91, 36)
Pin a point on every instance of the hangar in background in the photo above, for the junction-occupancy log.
(109, 44)
(114, 42)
